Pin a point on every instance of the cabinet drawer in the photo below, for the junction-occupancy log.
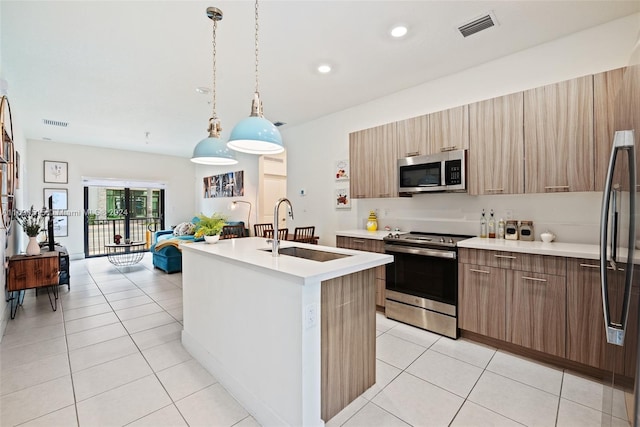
(514, 261)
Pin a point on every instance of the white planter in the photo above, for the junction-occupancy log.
(212, 239)
(33, 248)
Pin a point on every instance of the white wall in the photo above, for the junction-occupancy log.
(247, 163)
(94, 162)
(572, 217)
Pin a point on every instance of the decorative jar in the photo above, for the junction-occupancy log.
(372, 221)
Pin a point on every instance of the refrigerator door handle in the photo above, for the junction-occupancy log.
(615, 332)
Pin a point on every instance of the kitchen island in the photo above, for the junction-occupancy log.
(292, 339)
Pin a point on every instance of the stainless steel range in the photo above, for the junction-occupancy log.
(422, 282)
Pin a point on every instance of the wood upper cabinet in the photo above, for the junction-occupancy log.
(536, 311)
(481, 296)
(605, 88)
(373, 159)
(558, 137)
(496, 146)
(413, 137)
(449, 129)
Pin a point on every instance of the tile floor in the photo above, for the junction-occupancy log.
(111, 356)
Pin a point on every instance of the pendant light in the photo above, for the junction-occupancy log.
(212, 150)
(255, 134)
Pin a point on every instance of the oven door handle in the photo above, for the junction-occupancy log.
(420, 251)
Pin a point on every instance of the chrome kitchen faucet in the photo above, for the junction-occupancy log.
(275, 243)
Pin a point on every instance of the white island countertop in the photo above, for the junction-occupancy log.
(248, 251)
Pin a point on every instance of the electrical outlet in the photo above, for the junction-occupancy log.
(509, 214)
(310, 315)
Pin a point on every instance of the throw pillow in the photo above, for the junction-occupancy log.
(184, 228)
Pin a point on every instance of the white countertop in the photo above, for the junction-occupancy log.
(374, 235)
(247, 251)
(571, 250)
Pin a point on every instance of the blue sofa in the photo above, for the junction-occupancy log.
(169, 258)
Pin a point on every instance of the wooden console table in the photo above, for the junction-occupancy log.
(35, 271)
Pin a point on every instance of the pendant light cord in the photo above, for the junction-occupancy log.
(215, 27)
(256, 40)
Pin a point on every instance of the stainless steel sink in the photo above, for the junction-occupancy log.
(310, 254)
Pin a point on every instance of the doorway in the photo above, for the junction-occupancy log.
(272, 185)
(131, 212)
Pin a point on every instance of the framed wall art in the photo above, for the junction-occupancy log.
(60, 226)
(59, 198)
(342, 170)
(55, 172)
(230, 184)
(343, 199)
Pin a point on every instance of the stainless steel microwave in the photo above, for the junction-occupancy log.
(446, 171)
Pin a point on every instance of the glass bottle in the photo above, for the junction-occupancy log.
(492, 226)
(501, 229)
(483, 225)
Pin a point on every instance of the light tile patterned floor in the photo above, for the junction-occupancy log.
(111, 355)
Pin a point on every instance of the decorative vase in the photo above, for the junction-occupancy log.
(372, 221)
(33, 248)
(212, 239)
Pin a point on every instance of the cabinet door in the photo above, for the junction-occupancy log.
(481, 300)
(536, 311)
(373, 162)
(413, 137)
(26, 273)
(558, 137)
(360, 182)
(586, 341)
(496, 146)
(449, 129)
(605, 88)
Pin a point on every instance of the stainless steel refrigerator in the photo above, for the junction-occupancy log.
(620, 277)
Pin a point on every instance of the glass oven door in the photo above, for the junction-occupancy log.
(426, 273)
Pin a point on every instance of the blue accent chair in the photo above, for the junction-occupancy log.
(169, 258)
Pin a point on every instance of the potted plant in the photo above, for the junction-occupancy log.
(210, 227)
(32, 221)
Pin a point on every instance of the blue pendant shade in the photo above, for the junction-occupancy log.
(255, 134)
(213, 151)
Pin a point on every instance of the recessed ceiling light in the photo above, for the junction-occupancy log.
(399, 31)
(203, 90)
(324, 68)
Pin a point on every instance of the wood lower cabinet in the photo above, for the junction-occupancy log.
(369, 245)
(373, 159)
(536, 311)
(481, 300)
(558, 136)
(496, 146)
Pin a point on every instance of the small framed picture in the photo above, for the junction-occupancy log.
(342, 170)
(60, 201)
(55, 172)
(60, 226)
(343, 199)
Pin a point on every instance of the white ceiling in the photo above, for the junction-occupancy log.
(118, 69)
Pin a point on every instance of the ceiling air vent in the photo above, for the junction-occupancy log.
(278, 124)
(477, 25)
(55, 123)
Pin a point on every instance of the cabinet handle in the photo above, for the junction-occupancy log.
(597, 266)
(533, 279)
(384, 195)
(449, 148)
(359, 196)
(495, 190)
(358, 241)
(479, 271)
(505, 256)
(557, 187)
(413, 153)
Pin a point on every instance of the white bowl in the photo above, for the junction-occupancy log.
(547, 237)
